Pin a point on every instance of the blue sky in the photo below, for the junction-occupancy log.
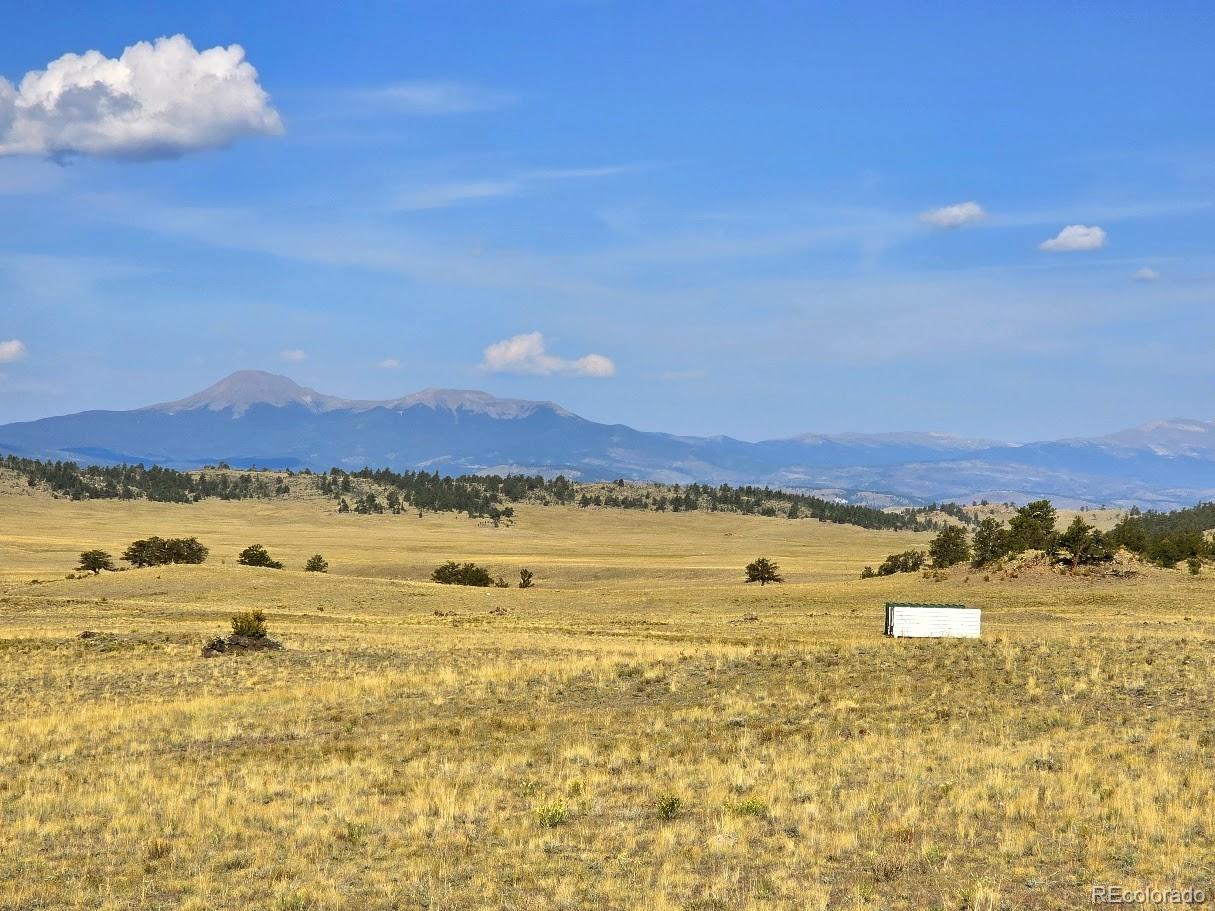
(704, 218)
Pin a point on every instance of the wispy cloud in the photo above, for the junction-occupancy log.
(293, 355)
(1075, 238)
(12, 350)
(389, 363)
(446, 195)
(1146, 274)
(437, 97)
(342, 241)
(526, 354)
(955, 216)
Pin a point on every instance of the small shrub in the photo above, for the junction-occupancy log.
(453, 573)
(1193, 564)
(316, 564)
(525, 578)
(909, 561)
(551, 815)
(501, 583)
(752, 806)
(256, 555)
(250, 623)
(868, 573)
(669, 806)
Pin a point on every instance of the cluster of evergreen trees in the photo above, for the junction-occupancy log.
(484, 495)
(1167, 538)
(1163, 538)
(909, 561)
(155, 551)
(132, 482)
(760, 501)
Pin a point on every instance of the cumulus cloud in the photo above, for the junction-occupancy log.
(526, 354)
(158, 100)
(293, 354)
(955, 216)
(1146, 274)
(11, 351)
(389, 363)
(1075, 238)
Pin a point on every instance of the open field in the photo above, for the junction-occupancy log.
(420, 746)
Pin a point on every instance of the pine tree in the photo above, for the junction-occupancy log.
(990, 542)
(950, 547)
(94, 561)
(763, 571)
(1033, 527)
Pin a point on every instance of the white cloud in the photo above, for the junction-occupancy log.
(157, 100)
(1146, 274)
(11, 351)
(293, 354)
(437, 97)
(1075, 238)
(955, 216)
(526, 354)
(389, 363)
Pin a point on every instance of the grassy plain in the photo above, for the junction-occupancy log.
(641, 730)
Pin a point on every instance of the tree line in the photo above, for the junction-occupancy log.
(134, 482)
(480, 496)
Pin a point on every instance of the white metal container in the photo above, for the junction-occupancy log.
(940, 621)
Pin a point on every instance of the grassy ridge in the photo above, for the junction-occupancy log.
(477, 495)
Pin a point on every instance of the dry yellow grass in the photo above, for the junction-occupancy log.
(419, 746)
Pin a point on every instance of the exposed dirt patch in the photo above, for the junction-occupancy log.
(239, 645)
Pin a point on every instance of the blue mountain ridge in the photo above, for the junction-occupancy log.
(257, 418)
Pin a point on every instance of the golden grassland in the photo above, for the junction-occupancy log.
(641, 730)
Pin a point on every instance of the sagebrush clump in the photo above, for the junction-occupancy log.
(250, 623)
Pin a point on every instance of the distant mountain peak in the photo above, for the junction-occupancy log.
(474, 401)
(924, 439)
(240, 391)
(243, 389)
(1171, 437)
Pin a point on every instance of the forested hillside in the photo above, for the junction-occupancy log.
(385, 491)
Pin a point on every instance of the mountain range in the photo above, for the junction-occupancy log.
(257, 418)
